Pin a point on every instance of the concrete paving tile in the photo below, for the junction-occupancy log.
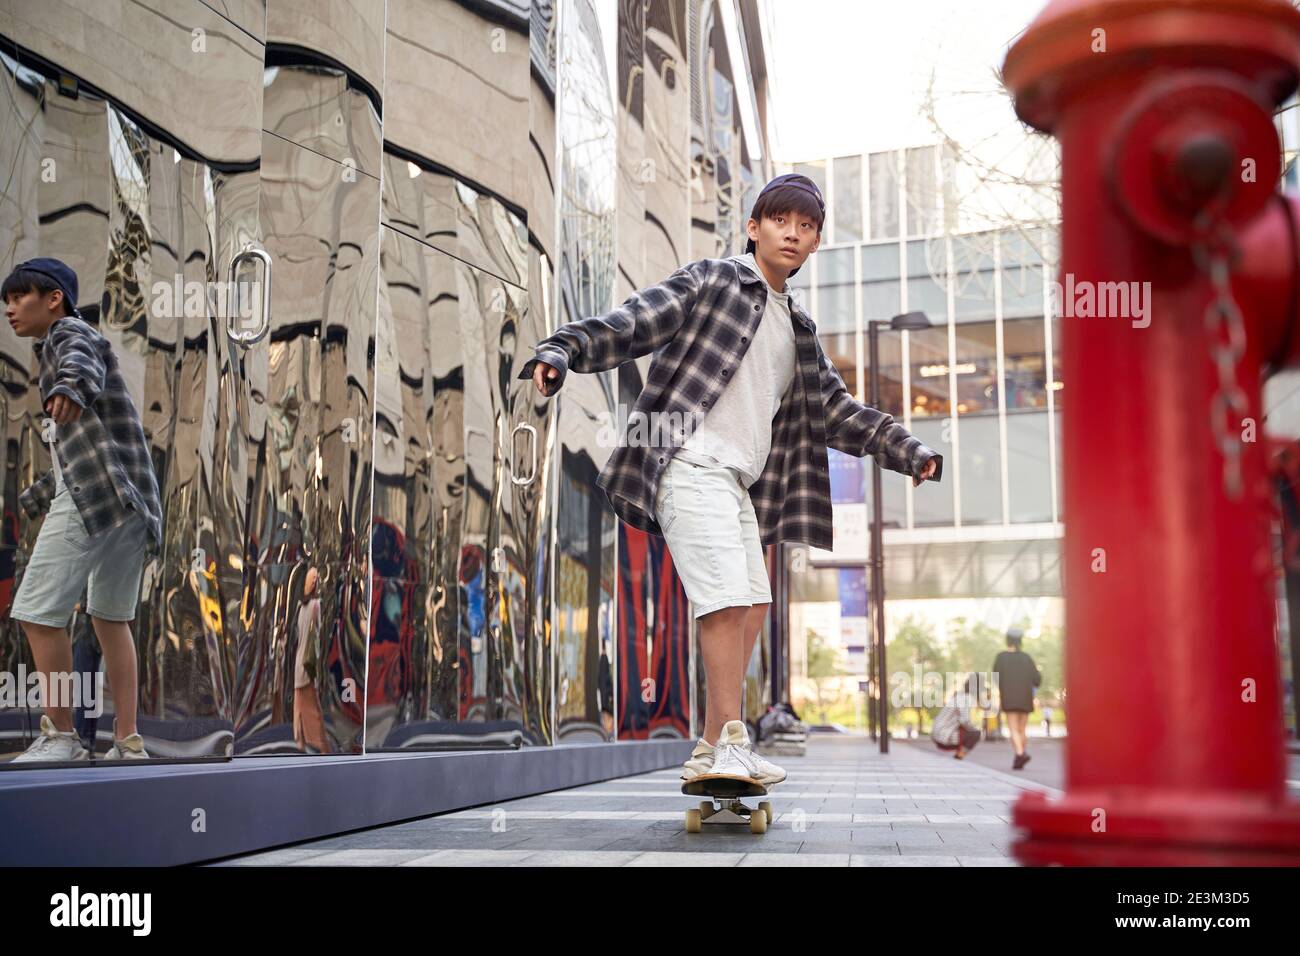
(918, 841)
(859, 859)
(271, 857)
(803, 857)
(938, 849)
(430, 840)
(469, 858)
(644, 844)
(687, 859)
(751, 844)
(374, 857)
(580, 858)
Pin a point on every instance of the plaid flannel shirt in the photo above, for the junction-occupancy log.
(698, 323)
(103, 453)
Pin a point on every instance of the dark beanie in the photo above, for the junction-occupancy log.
(58, 272)
(799, 181)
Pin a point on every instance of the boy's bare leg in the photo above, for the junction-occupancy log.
(750, 622)
(120, 662)
(721, 639)
(52, 653)
(753, 624)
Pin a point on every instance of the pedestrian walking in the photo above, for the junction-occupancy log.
(1017, 678)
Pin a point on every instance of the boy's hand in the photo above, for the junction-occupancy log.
(544, 377)
(926, 472)
(63, 409)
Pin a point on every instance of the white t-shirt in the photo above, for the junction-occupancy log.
(54, 455)
(737, 431)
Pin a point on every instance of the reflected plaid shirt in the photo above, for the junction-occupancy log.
(698, 323)
(103, 454)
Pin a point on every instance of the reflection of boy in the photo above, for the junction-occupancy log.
(104, 515)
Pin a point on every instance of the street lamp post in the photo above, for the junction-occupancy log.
(910, 321)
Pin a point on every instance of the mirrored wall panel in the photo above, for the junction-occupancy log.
(320, 239)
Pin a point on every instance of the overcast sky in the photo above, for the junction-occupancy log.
(848, 76)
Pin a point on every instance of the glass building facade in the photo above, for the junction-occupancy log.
(979, 385)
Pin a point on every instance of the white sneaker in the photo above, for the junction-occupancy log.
(53, 745)
(769, 774)
(128, 748)
(730, 756)
(704, 757)
(729, 760)
(700, 760)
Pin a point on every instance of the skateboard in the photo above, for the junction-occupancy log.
(724, 804)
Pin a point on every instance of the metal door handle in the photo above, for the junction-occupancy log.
(245, 339)
(532, 445)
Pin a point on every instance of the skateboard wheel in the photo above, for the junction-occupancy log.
(758, 823)
(706, 809)
(692, 821)
(766, 807)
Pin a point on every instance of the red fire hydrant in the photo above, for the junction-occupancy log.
(1171, 218)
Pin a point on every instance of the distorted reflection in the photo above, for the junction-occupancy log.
(585, 539)
(320, 253)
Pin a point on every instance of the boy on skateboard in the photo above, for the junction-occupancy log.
(725, 450)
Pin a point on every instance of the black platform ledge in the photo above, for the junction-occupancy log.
(143, 815)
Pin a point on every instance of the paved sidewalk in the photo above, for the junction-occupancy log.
(841, 805)
(1046, 768)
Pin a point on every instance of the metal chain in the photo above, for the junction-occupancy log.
(1215, 253)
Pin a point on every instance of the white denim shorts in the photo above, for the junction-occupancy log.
(712, 534)
(67, 561)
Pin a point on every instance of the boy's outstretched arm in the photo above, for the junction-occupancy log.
(645, 322)
(861, 430)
